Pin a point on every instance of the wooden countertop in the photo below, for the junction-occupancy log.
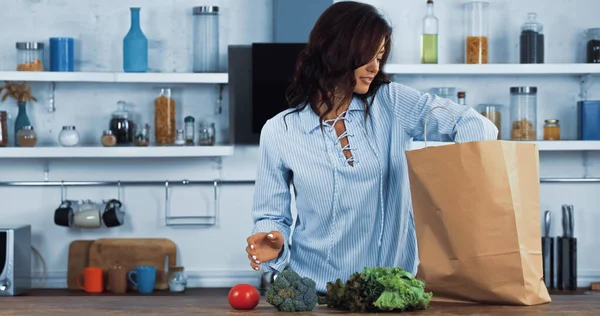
(214, 302)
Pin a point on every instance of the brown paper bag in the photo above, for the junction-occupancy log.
(477, 217)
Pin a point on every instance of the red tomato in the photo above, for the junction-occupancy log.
(243, 296)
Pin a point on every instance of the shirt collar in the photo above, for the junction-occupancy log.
(310, 120)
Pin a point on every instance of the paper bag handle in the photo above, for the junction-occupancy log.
(427, 118)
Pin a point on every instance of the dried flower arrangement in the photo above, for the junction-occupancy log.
(18, 91)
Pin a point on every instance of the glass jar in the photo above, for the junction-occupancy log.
(523, 112)
(206, 38)
(4, 128)
(164, 118)
(532, 41)
(68, 136)
(592, 50)
(108, 139)
(121, 124)
(551, 130)
(26, 137)
(444, 92)
(30, 56)
(206, 134)
(179, 138)
(461, 97)
(142, 135)
(477, 27)
(190, 130)
(493, 113)
(176, 279)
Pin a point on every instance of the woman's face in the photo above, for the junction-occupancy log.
(365, 74)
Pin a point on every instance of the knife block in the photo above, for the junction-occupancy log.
(548, 261)
(567, 263)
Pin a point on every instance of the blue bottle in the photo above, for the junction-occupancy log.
(135, 46)
(21, 120)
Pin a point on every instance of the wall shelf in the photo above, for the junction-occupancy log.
(563, 145)
(116, 152)
(114, 77)
(493, 69)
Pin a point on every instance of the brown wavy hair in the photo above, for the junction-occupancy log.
(346, 36)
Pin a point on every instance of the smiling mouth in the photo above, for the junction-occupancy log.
(367, 79)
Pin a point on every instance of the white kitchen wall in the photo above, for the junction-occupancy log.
(214, 256)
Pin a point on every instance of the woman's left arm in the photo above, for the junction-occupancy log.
(411, 107)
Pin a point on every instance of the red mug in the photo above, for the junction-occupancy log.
(91, 280)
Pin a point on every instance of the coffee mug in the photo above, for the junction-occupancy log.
(91, 280)
(63, 215)
(145, 278)
(87, 219)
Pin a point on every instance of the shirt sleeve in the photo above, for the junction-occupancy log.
(271, 206)
(411, 107)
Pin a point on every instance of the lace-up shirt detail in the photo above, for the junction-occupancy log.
(350, 217)
(330, 124)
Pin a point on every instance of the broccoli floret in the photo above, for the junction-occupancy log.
(292, 293)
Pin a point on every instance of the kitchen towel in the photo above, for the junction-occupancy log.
(477, 218)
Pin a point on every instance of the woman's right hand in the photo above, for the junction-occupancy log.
(264, 247)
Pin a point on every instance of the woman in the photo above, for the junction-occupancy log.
(342, 145)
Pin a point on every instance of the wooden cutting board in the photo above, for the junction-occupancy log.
(132, 252)
(79, 251)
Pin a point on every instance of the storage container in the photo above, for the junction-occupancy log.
(592, 50)
(4, 129)
(588, 120)
(477, 29)
(494, 113)
(532, 41)
(444, 92)
(30, 56)
(164, 117)
(206, 39)
(551, 130)
(523, 112)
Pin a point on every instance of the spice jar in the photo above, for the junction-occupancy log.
(206, 134)
(523, 112)
(108, 139)
(532, 41)
(4, 128)
(30, 56)
(177, 279)
(592, 49)
(179, 139)
(164, 118)
(142, 135)
(26, 137)
(551, 130)
(190, 130)
(68, 136)
(121, 124)
(493, 113)
(477, 25)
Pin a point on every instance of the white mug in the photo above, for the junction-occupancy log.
(87, 219)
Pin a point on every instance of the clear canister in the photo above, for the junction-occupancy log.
(30, 56)
(494, 113)
(523, 113)
(592, 46)
(551, 130)
(444, 92)
(164, 118)
(206, 39)
(477, 29)
(532, 41)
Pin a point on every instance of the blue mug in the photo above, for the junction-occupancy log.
(145, 278)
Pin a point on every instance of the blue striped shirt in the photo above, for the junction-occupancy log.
(350, 217)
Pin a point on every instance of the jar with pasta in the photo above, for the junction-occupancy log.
(494, 113)
(476, 28)
(164, 117)
(523, 112)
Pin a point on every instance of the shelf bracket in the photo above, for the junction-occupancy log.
(219, 108)
(584, 85)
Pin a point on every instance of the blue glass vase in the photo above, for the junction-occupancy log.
(22, 119)
(135, 46)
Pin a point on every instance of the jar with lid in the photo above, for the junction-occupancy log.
(206, 134)
(551, 130)
(68, 136)
(176, 279)
(164, 117)
(190, 130)
(4, 128)
(444, 92)
(206, 38)
(592, 49)
(142, 135)
(30, 56)
(461, 97)
(477, 27)
(108, 139)
(532, 41)
(492, 112)
(122, 125)
(523, 112)
(179, 138)
(26, 137)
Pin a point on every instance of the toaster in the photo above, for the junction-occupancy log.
(15, 260)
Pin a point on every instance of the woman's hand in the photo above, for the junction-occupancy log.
(264, 247)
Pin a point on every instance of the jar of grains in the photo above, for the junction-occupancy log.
(164, 118)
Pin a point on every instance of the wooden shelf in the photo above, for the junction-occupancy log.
(493, 69)
(563, 145)
(114, 77)
(116, 152)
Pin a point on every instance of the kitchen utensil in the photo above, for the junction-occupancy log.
(91, 280)
(63, 215)
(87, 219)
(78, 260)
(548, 251)
(567, 252)
(117, 279)
(144, 277)
(113, 214)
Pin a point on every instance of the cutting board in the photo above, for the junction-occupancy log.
(132, 252)
(79, 251)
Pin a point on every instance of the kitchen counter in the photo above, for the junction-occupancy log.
(214, 302)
